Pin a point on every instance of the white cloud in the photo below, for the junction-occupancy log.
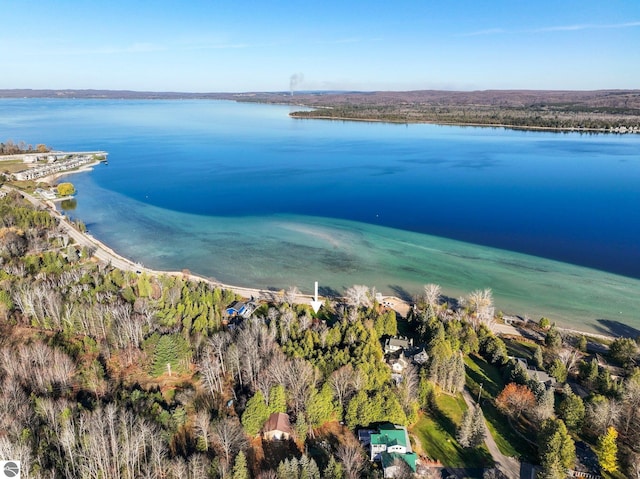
(557, 28)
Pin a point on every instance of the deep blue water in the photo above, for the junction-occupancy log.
(247, 195)
(570, 197)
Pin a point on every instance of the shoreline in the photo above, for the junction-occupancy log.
(551, 129)
(56, 176)
(107, 255)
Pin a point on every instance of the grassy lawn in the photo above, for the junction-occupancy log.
(520, 349)
(436, 431)
(12, 166)
(480, 372)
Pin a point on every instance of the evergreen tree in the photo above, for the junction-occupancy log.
(603, 382)
(557, 450)
(358, 411)
(494, 350)
(607, 450)
(301, 428)
(321, 408)
(572, 411)
(463, 435)
(545, 405)
(171, 353)
(277, 399)
(333, 470)
(240, 469)
(255, 414)
(588, 372)
(288, 469)
(391, 323)
(425, 390)
(478, 427)
(518, 374)
(538, 360)
(308, 468)
(582, 344)
(553, 339)
(558, 370)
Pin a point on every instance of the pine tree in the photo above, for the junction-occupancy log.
(478, 428)
(537, 358)
(308, 468)
(557, 450)
(464, 433)
(321, 408)
(572, 411)
(288, 469)
(255, 414)
(301, 428)
(333, 470)
(277, 399)
(607, 450)
(240, 470)
(545, 407)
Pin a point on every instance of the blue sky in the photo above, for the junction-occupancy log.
(202, 46)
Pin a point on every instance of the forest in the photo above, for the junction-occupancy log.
(112, 374)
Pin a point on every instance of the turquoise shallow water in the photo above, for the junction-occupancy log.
(279, 251)
(249, 196)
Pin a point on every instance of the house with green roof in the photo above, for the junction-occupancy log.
(389, 444)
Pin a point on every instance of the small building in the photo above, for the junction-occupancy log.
(45, 194)
(399, 365)
(236, 308)
(394, 344)
(533, 373)
(277, 427)
(389, 444)
(420, 357)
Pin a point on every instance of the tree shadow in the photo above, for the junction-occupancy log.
(452, 302)
(277, 451)
(488, 384)
(328, 292)
(616, 328)
(401, 293)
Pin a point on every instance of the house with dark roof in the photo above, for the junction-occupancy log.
(533, 373)
(236, 308)
(389, 444)
(277, 427)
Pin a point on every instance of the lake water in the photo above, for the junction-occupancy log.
(244, 194)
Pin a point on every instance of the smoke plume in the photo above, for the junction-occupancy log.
(295, 80)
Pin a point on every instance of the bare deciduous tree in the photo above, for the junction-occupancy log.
(432, 295)
(343, 381)
(301, 377)
(228, 438)
(358, 296)
(480, 306)
(602, 413)
(291, 295)
(352, 457)
(569, 358)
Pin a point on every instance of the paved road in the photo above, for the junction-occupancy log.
(508, 465)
